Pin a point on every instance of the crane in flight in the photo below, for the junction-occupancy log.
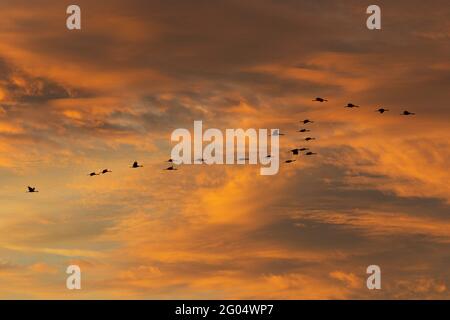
(171, 168)
(381, 110)
(32, 189)
(136, 165)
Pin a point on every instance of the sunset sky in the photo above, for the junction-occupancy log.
(73, 102)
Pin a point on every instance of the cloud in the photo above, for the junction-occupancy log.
(73, 103)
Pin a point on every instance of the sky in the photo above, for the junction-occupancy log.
(73, 102)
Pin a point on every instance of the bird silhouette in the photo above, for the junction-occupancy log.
(304, 130)
(318, 99)
(310, 153)
(297, 150)
(381, 110)
(307, 121)
(171, 168)
(201, 160)
(277, 133)
(351, 105)
(93, 174)
(104, 171)
(136, 165)
(32, 189)
(407, 113)
(309, 139)
(289, 161)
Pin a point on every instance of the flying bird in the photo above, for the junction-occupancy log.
(172, 161)
(171, 168)
(307, 121)
(304, 130)
(289, 161)
(309, 139)
(407, 113)
(310, 153)
(277, 133)
(351, 105)
(381, 110)
(136, 165)
(105, 171)
(93, 174)
(318, 99)
(32, 190)
(297, 150)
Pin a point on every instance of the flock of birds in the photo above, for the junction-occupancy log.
(294, 152)
(135, 165)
